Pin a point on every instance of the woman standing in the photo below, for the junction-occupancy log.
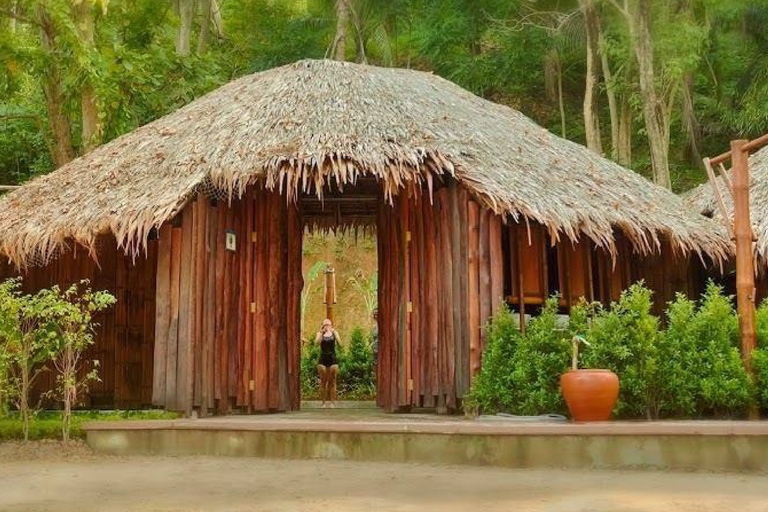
(328, 365)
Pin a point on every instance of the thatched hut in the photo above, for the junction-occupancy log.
(702, 200)
(196, 222)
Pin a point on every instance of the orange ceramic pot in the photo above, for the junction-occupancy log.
(590, 394)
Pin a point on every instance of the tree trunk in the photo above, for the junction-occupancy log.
(91, 125)
(613, 107)
(691, 123)
(205, 26)
(624, 148)
(24, 392)
(553, 84)
(342, 28)
(592, 90)
(60, 146)
(653, 111)
(184, 36)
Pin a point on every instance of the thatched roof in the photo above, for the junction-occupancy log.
(297, 127)
(702, 199)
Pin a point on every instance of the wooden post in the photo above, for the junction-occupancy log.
(330, 292)
(745, 268)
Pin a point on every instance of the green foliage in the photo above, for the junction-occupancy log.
(691, 368)
(521, 372)
(700, 367)
(357, 380)
(760, 357)
(623, 339)
(492, 388)
(47, 425)
(52, 325)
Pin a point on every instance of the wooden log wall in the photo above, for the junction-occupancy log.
(124, 339)
(227, 321)
(440, 278)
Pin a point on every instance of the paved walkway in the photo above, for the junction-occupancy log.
(144, 484)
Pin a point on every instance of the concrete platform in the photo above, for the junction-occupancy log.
(370, 435)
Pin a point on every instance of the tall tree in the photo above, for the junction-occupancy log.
(656, 113)
(591, 15)
(186, 9)
(92, 129)
(343, 12)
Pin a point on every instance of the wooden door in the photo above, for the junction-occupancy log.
(435, 294)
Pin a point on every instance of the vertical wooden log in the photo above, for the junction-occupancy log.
(162, 320)
(201, 258)
(252, 259)
(496, 263)
(473, 296)
(295, 285)
(520, 274)
(745, 267)
(463, 263)
(382, 361)
(171, 364)
(209, 309)
(283, 400)
(186, 286)
(449, 305)
(404, 396)
(275, 255)
(219, 355)
(432, 326)
(456, 245)
(399, 300)
(484, 272)
(416, 317)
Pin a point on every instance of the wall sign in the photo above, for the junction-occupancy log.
(231, 240)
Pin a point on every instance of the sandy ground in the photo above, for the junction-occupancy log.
(47, 478)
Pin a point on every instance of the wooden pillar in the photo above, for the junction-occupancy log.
(745, 268)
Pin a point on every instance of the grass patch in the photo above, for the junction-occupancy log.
(47, 425)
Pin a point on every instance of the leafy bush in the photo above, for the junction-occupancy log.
(760, 357)
(491, 387)
(356, 376)
(623, 338)
(700, 367)
(521, 372)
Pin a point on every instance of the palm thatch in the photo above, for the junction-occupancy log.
(702, 200)
(300, 127)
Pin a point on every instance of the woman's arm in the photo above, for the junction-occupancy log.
(336, 335)
(318, 337)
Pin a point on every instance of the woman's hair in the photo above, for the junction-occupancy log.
(327, 321)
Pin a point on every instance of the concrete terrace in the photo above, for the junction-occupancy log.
(370, 435)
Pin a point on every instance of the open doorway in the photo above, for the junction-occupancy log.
(340, 269)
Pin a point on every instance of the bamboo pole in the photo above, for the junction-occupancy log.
(745, 269)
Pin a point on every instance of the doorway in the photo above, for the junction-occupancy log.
(340, 269)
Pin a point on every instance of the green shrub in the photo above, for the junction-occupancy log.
(543, 354)
(700, 367)
(491, 388)
(760, 357)
(623, 339)
(521, 372)
(356, 375)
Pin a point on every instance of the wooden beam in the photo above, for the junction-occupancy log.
(745, 268)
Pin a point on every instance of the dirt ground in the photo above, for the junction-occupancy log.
(42, 477)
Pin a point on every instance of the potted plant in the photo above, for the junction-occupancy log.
(589, 394)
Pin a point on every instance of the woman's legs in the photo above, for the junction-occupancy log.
(332, 373)
(323, 371)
